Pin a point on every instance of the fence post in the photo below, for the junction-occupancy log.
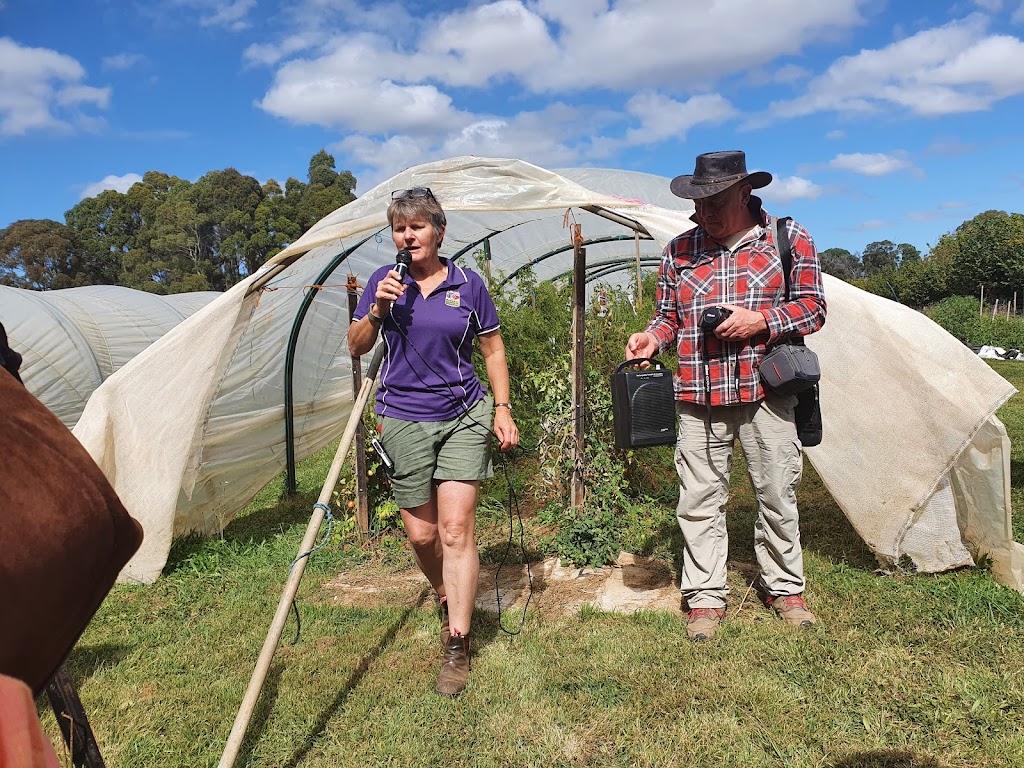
(359, 441)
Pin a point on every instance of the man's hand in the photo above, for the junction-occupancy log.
(742, 324)
(641, 344)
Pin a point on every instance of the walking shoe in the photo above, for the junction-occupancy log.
(455, 667)
(793, 610)
(702, 623)
(442, 609)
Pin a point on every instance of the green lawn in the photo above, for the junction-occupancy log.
(905, 670)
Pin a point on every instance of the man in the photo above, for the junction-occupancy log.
(730, 260)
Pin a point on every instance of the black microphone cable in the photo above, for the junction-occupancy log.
(513, 501)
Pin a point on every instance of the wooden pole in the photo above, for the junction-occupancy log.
(639, 274)
(259, 676)
(362, 492)
(995, 308)
(579, 323)
(981, 303)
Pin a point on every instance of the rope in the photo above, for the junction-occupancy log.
(327, 537)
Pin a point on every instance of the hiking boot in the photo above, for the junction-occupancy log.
(455, 667)
(446, 632)
(702, 623)
(793, 610)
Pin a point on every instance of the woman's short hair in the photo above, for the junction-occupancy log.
(415, 203)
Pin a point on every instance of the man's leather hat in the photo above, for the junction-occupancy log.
(716, 171)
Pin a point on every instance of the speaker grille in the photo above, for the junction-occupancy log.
(650, 421)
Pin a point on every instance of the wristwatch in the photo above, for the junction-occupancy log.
(504, 405)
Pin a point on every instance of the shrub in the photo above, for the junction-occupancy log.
(962, 317)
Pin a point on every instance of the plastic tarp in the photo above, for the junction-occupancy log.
(191, 428)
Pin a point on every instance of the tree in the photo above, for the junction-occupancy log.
(167, 235)
(990, 253)
(880, 256)
(840, 263)
(40, 254)
(326, 191)
(908, 254)
(106, 227)
(227, 202)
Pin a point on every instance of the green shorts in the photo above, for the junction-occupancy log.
(427, 451)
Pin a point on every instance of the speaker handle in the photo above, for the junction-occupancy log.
(636, 360)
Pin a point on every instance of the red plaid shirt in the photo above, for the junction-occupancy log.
(698, 272)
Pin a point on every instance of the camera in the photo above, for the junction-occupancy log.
(712, 317)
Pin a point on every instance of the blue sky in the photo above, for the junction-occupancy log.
(879, 120)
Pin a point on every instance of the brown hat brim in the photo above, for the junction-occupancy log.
(683, 186)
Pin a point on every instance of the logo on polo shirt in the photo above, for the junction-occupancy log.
(452, 299)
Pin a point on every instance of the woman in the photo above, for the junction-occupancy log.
(433, 412)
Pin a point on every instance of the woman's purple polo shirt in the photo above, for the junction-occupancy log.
(427, 373)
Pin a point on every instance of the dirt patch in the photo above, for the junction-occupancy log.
(632, 584)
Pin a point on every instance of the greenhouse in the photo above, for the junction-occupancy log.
(183, 400)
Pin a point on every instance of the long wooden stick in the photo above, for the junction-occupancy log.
(259, 676)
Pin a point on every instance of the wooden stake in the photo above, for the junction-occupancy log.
(981, 303)
(995, 308)
(259, 676)
(362, 491)
(579, 324)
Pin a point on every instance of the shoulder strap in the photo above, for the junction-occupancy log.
(785, 248)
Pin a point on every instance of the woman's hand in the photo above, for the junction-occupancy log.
(505, 428)
(388, 291)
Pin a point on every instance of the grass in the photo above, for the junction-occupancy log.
(905, 670)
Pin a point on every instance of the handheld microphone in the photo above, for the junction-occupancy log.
(404, 259)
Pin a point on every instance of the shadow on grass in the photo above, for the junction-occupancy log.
(85, 660)
(350, 685)
(824, 528)
(253, 529)
(264, 707)
(884, 758)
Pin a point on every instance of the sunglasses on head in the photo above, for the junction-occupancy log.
(401, 194)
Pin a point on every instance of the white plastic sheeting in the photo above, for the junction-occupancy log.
(190, 429)
(71, 340)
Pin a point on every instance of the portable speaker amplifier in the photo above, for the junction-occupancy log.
(643, 405)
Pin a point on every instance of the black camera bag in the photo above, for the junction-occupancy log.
(790, 368)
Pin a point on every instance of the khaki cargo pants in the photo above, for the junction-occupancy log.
(767, 433)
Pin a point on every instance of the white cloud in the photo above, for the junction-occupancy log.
(41, 89)
(531, 136)
(791, 188)
(330, 93)
(837, 134)
(268, 54)
(119, 183)
(498, 39)
(871, 224)
(992, 6)
(414, 82)
(663, 44)
(951, 146)
(954, 68)
(122, 61)
(877, 164)
(662, 117)
(230, 15)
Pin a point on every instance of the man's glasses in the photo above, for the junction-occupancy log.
(402, 194)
